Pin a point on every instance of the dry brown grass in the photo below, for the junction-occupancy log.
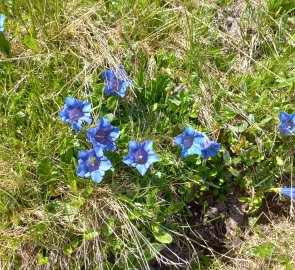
(277, 237)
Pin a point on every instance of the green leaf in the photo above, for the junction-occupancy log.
(161, 235)
(67, 249)
(150, 199)
(286, 83)
(286, 261)
(41, 259)
(45, 171)
(4, 44)
(203, 188)
(264, 251)
(181, 190)
(39, 229)
(73, 187)
(68, 155)
(87, 192)
(234, 172)
(174, 208)
(217, 102)
(279, 161)
(91, 234)
(226, 158)
(31, 43)
(264, 121)
(164, 238)
(244, 199)
(241, 128)
(109, 227)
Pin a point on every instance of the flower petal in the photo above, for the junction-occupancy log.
(285, 116)
(70, 101)
(104, 122)
(179, 139)
(290, 192)
(201, 138)
(82, 170)
(83, 154)
(195, 149)
(2, 18)
(87, 107)
(190, 131)
(153, 158)
(115, 134)
(108, 75)
(105, 165)
(63, 115)
(108, 90)
(121, 93)
(148, 145)
(87, 118)
(184, 152)
(284, 131)
(90, 132)
(99, 152)
(142, 168)
(97, 176)
(122, 72)
(133, 145)
(77, 126)
(129, 159)
(210, 150)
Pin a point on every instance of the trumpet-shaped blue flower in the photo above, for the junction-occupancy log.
(2, 18)
(287, 125)
(104, 135)
(93, 164)
(190, 141)
(290, 192)
(141, 155)
(210, 149)
(193, 142)
(75, 112)
(116, 84)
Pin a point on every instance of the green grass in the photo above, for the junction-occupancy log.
(225, 68)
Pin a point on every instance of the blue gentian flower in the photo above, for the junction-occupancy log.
(2, 18)
(290, 192)
(210, 149)
(287, 125)
(190, 141)
(193, 142)
(116, 83)
(104, 135)
(93, 164)
(141, 155)
(75, 112)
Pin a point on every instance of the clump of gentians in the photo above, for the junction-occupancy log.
(2, 19)
(141, 156)
(75, 112)
(93, 164)
(287, 125)
(116, 83)
(104, 135)
(193, 142)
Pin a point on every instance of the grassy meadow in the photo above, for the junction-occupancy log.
(224, 67)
